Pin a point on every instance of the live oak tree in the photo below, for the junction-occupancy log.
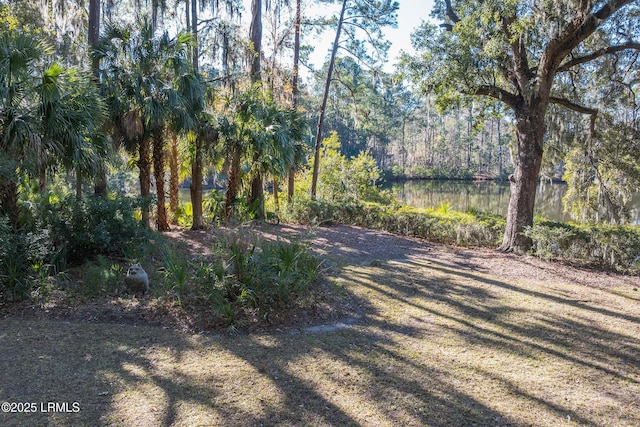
(515, 52)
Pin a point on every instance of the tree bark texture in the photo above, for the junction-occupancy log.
(174, 189)
(144, 168)
(323, 105)
(195, 189)
(256, 38)
(256, 190)
(294, 89)
(9, 201)
(158, 171)
(233, 183)
(530, 130)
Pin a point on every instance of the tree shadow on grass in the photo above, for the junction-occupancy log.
(433, 346)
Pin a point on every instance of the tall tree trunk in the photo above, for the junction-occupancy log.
(194, 33)
(233, 183)
(276, 192)
(78, 184)
(323, 106)
(158, 172)
(256, 38)
(256, 192)
(100, 185)
(530, 129)
(174, 189)
(144, 168)
(195, 189)
(295, 90)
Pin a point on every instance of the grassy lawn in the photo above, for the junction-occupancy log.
(430, 344)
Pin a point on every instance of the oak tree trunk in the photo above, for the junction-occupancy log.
(530, 129)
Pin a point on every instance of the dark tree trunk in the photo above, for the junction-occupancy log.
(9, 201)
(194, 32)
(295, 89)
(100, 185)
(530, 129)
(158, 172)
(276, 192)
(174, 189)
(195, 188)
(256, 38)
(144, 167)
(256, 191)
(323, 105)
(78, 184)
(233, 183)
(42, 181)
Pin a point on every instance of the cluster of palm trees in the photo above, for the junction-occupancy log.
(144, 95)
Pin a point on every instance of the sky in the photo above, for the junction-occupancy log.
(410, 15)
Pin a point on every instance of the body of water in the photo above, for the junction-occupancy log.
(487, 196)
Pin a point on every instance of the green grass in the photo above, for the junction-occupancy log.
(432, 345)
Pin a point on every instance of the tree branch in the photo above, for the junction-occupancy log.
(496, 93)
(572, 105)
(450, 13)
(597, 54)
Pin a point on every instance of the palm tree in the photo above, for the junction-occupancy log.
(46, 118)
(260, 135)
(142, 73)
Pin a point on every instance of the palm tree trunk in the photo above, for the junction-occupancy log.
(158, 171)
(256, 191)
(9, 201)
(275, 191)
(78, 184)
(42, 181)
(196, 186)
(233, 183)
(144, 167)
(174, 189)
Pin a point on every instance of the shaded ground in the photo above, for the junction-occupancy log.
(428, 335)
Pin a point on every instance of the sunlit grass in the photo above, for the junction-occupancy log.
(434, 345)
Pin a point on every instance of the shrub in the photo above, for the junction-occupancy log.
(444, 226)
(240, 278)
(23, 256)
(81, 229)
(612, 246)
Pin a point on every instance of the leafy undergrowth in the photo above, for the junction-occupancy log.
(207, 281)
(431, 341)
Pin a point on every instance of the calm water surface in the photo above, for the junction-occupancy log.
(488, 196)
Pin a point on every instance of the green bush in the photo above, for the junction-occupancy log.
(240, 278)
(444, 226)
(20, 252)
(79, 230)
(612, 246)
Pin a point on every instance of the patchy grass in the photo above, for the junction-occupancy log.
(431, 343)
